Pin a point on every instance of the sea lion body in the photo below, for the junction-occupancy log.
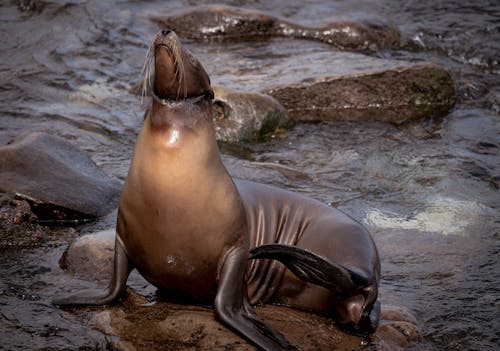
(190, 229)
(163, 226)
(279, 216)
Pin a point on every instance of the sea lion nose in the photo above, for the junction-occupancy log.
(165, 32)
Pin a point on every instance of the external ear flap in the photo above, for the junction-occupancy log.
(210, 94)
(313, 268)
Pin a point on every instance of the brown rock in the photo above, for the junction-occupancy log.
(136, 324)
(233, 23)
(396, 95)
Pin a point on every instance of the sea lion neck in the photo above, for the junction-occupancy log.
(189, 112)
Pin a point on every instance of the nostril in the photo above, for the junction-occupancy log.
(165, 32)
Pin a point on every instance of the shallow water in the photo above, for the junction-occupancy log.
(429, 192)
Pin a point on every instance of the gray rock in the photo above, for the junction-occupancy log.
(90, 257)
(242, 116)
(233, 23)
(59, 180)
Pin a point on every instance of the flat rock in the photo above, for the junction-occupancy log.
(59, 180)
(243, 116)
(138, 324)
(395, 95)
(234, 23)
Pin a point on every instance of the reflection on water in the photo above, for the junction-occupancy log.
(428, 192)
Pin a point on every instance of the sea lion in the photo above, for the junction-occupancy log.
(188, 227)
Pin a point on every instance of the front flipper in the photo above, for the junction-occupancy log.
(232, 308)
(116, 287)
(313, 268)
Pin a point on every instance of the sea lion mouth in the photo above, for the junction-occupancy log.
(178, 75)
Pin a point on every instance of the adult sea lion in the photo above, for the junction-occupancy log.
(188, 227)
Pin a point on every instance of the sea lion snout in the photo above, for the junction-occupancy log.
(178, 75)
(356, 317)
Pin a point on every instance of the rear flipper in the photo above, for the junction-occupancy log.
(356, 294)
(313, 268)
(106, 296)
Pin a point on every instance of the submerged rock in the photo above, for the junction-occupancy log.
(138, 324)
(395, 95)
(242, 116)
(233, 23)
(58, 180)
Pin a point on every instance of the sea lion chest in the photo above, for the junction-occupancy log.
(179, 209)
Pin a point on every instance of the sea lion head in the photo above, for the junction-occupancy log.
(178, 75)
(359, 314)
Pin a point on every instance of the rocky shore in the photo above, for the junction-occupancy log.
(50, 188)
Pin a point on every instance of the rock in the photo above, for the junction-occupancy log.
(18, 227)
(233, 23)
(396, 313)
(241, 116)
(396, 335)
(395, 95)
(137, 324)
(90, 257)
(59, 180)
(320, 85)
(397, 330)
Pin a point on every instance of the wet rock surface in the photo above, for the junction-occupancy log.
(58, 180)
(243, 116)
(397, 95)
(182, 327)
(138, 324)
(18, 227)
(234, 23)
(430, 197)
(345, 86)
(90, 257)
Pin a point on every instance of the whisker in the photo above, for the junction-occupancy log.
(146, 71)
(179, 74)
